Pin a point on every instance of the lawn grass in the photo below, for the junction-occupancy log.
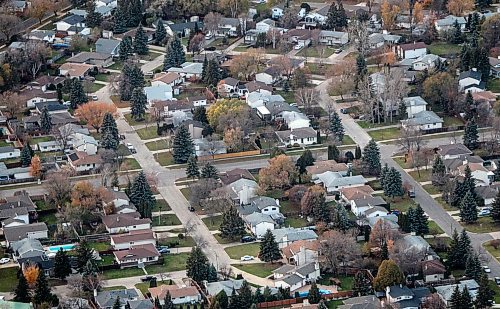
(119, 103)
(496, 289)
(41, 139)
(289, 96)
(176, 242)
(262, 270)
(445, 205)
(102, 77)
(186, 192)
(9, 279)
(164, 205)
(213, 223)
(48, 218)
(347, 140)
(316, 69)
(368, 125)
(131, 121)
(494, 252)
(401, 162)
(289, 207)
(115, 287)
(107, 260)
(296, 222)
(422, 175)
(443, 49)
(375, 184)
(99, 246)
(172, 262)
(117, 65)
(314, 52)
(167, 219)
(434, 229)
(237, 252)
(334, 304)
(147, 133)
(224, 241)
(157, 145)
(452, 121)
(482, 225)
(164, 158)
(96, 87)
(493, 85)
(431, 189)
(346, 282)
(400, 203)
(129, 164)
(43, 205)
(384, 134)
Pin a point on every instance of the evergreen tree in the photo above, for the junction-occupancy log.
(384, 174)
(484, 294)
(83, 255)
(62, 267)
(183, 146)
(402, 111)
(457, 33)
(127, 305)
(232, 225)
(314, 295)
(388, 274)
(45, 120)
(197, 265)
(336, 127)
(212, 274)
(371, 158)
(200, 114)
(455, 254)
(333, 153)
(125, 48)
(340, 219)
(117, 304)
(175, 55)
(167, 301)
(269, 250)
(204, 71)
(495, 211)
(393, 185)
(160, 33)
(110, 138)
(134, 10)
(468, 209)
(120, 18)
(332, 16)
(142, 196)
(341, 16)
(456, 299)
(357, 153)
(192, 169)
(22, 292)
(42, 293)
(419, 222)
(458, 193)
(222, 300)
(157, 304)
(26, 155)
(322, 305)
(404, 222)
(384, 251)
(362, 284)
(361, 69)
(245, 295)
(321, 212)
(466, 299)
(93, 18)
(77, 94)
(438, 172)
(470, 107)
(138, 104)
(471, 136)
(213, 74)
(209, 171)
(473, 267)
(131, 78)
(140, 42)
(305, 160)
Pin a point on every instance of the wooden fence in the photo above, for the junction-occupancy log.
(231, 155)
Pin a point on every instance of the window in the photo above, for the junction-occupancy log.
(274, 208)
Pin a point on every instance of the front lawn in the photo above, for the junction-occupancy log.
(400, 203)
(171, 262)
(96, 87)
(237, 252)
(443, 49)
(482, 225)
(434, 229)
(368, 125)
(130, 164)
(445, 205)
(163, 204)
(296, 222)
(314, 52)
(289, 96)
(452, 121)
(213, 223)
(9, 279)
(131, 121)
(262, 270)
(174, 242)
(41, 139)
(431, 189)
(384, 134)
(168, 219)
(347, 140)
(224, 241)
(147, 133)
(401, 162)
(164, 158)
(157, 145)
(493, 85)
(421, 175)
(494, 252)
(186, 192)
(315, 68)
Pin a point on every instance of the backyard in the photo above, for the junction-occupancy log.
(157, 145)
(262, 270)
(443, 49)
(493, 85)
(9, 279)
(384, 134)
(171, 262)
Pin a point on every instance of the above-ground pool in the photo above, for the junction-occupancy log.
(67, 247)
(321, 291)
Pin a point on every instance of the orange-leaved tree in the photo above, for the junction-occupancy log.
(36, 167)
(93, 113)
(30, 272)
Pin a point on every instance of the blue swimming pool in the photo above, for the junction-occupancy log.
(67, 247)
(322, 292)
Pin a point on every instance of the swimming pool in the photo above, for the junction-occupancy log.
(67, 247)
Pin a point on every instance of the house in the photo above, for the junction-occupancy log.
(214, 288)
(14, 215)
(209, 147)
(121, 223)
(452, 165)
(259, 223)
(93, 58)
(424, 120)
(117, 198)
(391, 220)
(274, 109)
(301, 252)
(487, 194)
(137, 255)
(287, 236)
(426, 62)
(108, 46)
(300, 136)
(448, 23)
(196, 101)
(352, 193)
(53, 107)
(182, 30)
(9, 152)
(84, 143)
(263, 204)
(481, 174)
(46, 83)
(34, 95)
(71, 128)
(179, 295)
(360, 205)
(330, 38)
(228, 86)
(446, 291)
(42, 35)
(378, 40)
(236, 174)
(433, 270)
(62, 118)
(107, 299)
(269, 76)
(414, 105)
(361, 302)
(471, 81)
(276, 12)
(333, 181)
(160, 92)
(109, 3)
(33, 231)
(171, 79)
(260, 87)
(26, 248)
(404, 297)
(75, 70)
(494, 66)
(49, 146)
(295, 120)
(265, 25)
(228, 27)
(242, 190)
(319, 167)
(82, 162)
(70, 21)
(453, 151)
(133, 238)
(256, 99)
(484, 96)
(189, 70)
(194, 127)
(297, 277)
(413, 242)
(410, 50)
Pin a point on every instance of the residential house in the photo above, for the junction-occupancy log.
(14, 215)
(301, 252)
(319, 167)
(133, 238)
(301, 136)
(228, 27)
(228, 286)
(495, 67)
(334, 181)
(121, 223)
(414, 242)
(404, 297)
(53, 107)
(149, 32)
(33, 96)
(75, 70)
(448, 23)
(70, 21)
(299, 36)
(331, 38)
(46, 83)
(9, 152)
(256, 99)
(137, 255)
(33, 231)
(109, 3)
(189, 70)
(194, 127)
(391, 220)
(487, 194)
(378, 40)
(471, 81)
(484, 97)
(453, 151)
(269, 76)
(263, 204)
(49, 146)
(117, 198)
(196, 101)
(179, 295)
(446, 291)
(276, 12)
(433, 270)
(411, 50)
(242, 190)
(108, 46)
(107, 299)
(297, 277)
(427, 62)
(47, 36)
(414, 105)
(228, 86)
(362, 204)
(83, 143)
(62, 118)
(361, 302)
(183, 30)
(295, 120)
(171, 79)
(207, 147)
(93, 58)
(71, 128)
(424, 120)
(26, 248)
(352, 193)
(160, 92)
(265, 25)
(260, 87)
(481, 174)
(233, 175)
(259, 223)
(82, 162)
(287, 236)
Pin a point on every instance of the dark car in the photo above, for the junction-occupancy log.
(122, 137)
(210, 48)
(163, 250)
(497, 280)
(411, 193)
(247, 239)
(148, 278)
(191, 209)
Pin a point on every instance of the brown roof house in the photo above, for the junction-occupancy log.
(352, 193)
(433, 270)
(75, 70)
(235, 174)
(137, 256)
(122, 223)
(320, 167)
(180, 295)
(133, 238)
(411, 50)
(82, 162)
(301, 252)
(167, 78)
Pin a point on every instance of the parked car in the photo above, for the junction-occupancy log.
(486, 269)
(4, 260)
(131, 148)
(411, 193)
(344, 111)
(210, 48)
(148, 278)
(338, 50)
(95, 98)
(163, 250)
(484, 212)
(247, 258)
(497, 280)
(122, 137)
(298, 46)
(150, 74)
(247, 239)
(191, 209)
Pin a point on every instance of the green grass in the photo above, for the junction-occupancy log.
(168, 219)
(115, 287)
(107, 259)
(431, 189)
(49, 218)
(164, 158)
(99, 246)
(493, 85)
(41, 139)
(375, 184)
(400, 203)
(9, 279)
(131, 121)
(442, 49)
(434, 229)
(223, 241)
(313, 52)
(384, 134)
(347, 140)
(334, 304)
(4, 143)
(213, 223)
(130, 164)
(346, 282)
(401, 162)
(157, 145)
(187, 241)
(495, 288)
(368, 125)
(164, 205)
(422, 175)
(144, 286)
(445, 205)
(482, 225)
(288, 96)
(186, 192)
(117, 65)
(147, 133)
(296, 222)
(494, 252)
(96, 87)
(262, 270)
(237, 252)
(42, 205)
(316, 69)
(241, 49)
(172, 262)
(452, 121)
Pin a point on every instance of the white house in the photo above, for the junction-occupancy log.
(133, 238)
(228, 86)
(269, 76)
(445, 292)
(295, 120)
(265, 25)
(32, 231)
(433, 270)
(424, 120)
(453, 151)
(160, 92)
(109, 3)
(276, 12)
(137, 255)
(470, 79)
(259, 223)
(411, 50)
(9, 152)
(448, 23)
(296, 277)
(333, 181)
(414, 105)
(167, 78)
(189, 70)
(329, 38)
(401, 296)
(301, 252)
(121, 223)
(244, 190)
(287, 236)
(107, 299)
(256, 99)
(426, 62)
(481, 174)
(70, 21)
(301, 136)
(82, 162)
(360, 205)
(84, 143)
(49, 146)
(179, 295)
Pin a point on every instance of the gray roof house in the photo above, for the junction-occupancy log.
(106, 299)
(423, 120)
(446, 291)
(452, 151)
(333, 181)
(213, 288)
(27, 248)
(34, 230)
(107, 46)
(404, 297)
(205, 147)
(286, 236)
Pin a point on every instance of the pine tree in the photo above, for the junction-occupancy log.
(466, 299)
(120, 18)
(26, 155)
(438, 172)
(200, 114)
(340, 218)
(213, 75)
(192, 169)
(314, 295)
(140, 42)
(45, 120)
(134, 10)
(336, 127)
(93, 18)
(212, 274)
(209, 171)
(341, 16)
(110, 138)
(322, 305)
(393, 185)
(127, 305)
(468, 209)
(495, 211)
(42, 292)
(221, 300)
(384, 174)
(470, 107)
(471, 136)
(232, 225)
(167, 301)
(204, 71)
(333, 153)
(321, 212)
(22, 292)
(160, 32)
(371, 158)
(83, 255)
(183, 146)
(245, 295)
(175, 55)
(138, 104)
(419, 222)
(62, 267)
(485, 294)
(457, 33)
(332, 16)
(131, 78)
(384, 252)
(469, 184)
(388, 274)
(357, 153)
(157, 304)
(77, 94)
(125, 49)
(455, 254)
(197, 265)
(402, 111)
(456, 299)
(269, 250)
(117, 304)
(362, 284)
(142, 196)
(404, 222)
(473, 267)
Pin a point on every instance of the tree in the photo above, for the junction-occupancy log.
(234, 139)
(140, 41)
(212, 21)
(433, 301)
(8, 24)
(131, 78)
(197, 265)
(468, 209)
(93, 18)
(125, 49)
(94, 112)
(456, 299)
(384, 251)
(471, 136)
(160, 33)
(440, 90)
(332, 16)
(393, 185)
(306, 159)
(167, 301)
(192, 169)
(485, 294)
(58, 187)
(245, 295)
(279, 174)
(459, 8)
(495, 211)
(142, 196)
(39, 8)
(314, 296)
(234, 7)
(333, 153)
(175, 55)
(117, 304)
(244, 66)
(84, 254)
(138, 104)
(466, 299)
(42, 292)
(62, 267)
(336, 127)
(77, 94)
(232, 225)
(269, 250)
(196, 43)
(371, 158)
(339, 249)
(22, 292)
(389, 13)
(388, 274)
(473, 267)
(183, 146)
(438, 172)
(45, 120)
(419, 221)
(26, 155)
(312, 201)
(213, 73)
(343, 78)
(110, 138)
(362, 284)
(382, 233)
(209, 171)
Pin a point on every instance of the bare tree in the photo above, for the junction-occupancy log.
(410, 139)
(339, 250)
(274, 36)
(433, 301)
(201, 190)
(307, 98)
(344, 74)
(358, 33)
(8, 24)
(212, 21)
(394, 90)
(407, 257)
(290, 18)
(366, 97)
(63, 135)
(12, 103)
(58, 186)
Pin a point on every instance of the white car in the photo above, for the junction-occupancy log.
(95, 98)
(4, 260)
(486, 269)
(298, 46)
(247, 258)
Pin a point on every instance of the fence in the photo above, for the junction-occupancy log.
(289, 302)
(231, 155)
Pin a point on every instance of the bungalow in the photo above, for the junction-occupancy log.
(260, 87)
(133, 238)
(70, 21)
(9, 152)
(47, 83)
(179, 295)
(13, 173)
(242, 190)
(137, 256)
(228, 286)
(26, 248)
(287, 236)
(107, 299)
(49, 146)
(321, 167)
(494, 66)
(297, 277)
(333, 181)
(424, 120)
(487, 194)
(433, 270)
(330, 38)
(448, 23)
(352, 193)
(301, 252)
(83, 143)
(117, 198)
(32, 231)
(446, 291)
(481, 174)
(53, 107)
(404, 297)
(301, 136)
(228, 86)
(75, 70)
(228, 27)
(171, 79)
(93, 58)
(207, 147)
(295, 120)
(471, 81)
(194, 127)
(360, 205)
(120, 223)
(20, 215)
(82, 162)
(259, 223)
(33, 96)
(299, 36)
(391, 220)
(262, 204)
(453, 151)
(256, 99)
(189, 70)
(426, 62)
(269, 76)
(42, 35)
(410, 50)
(160, 92)
(108, 46)
(378, 40)
(197, 100)
(229, 177)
